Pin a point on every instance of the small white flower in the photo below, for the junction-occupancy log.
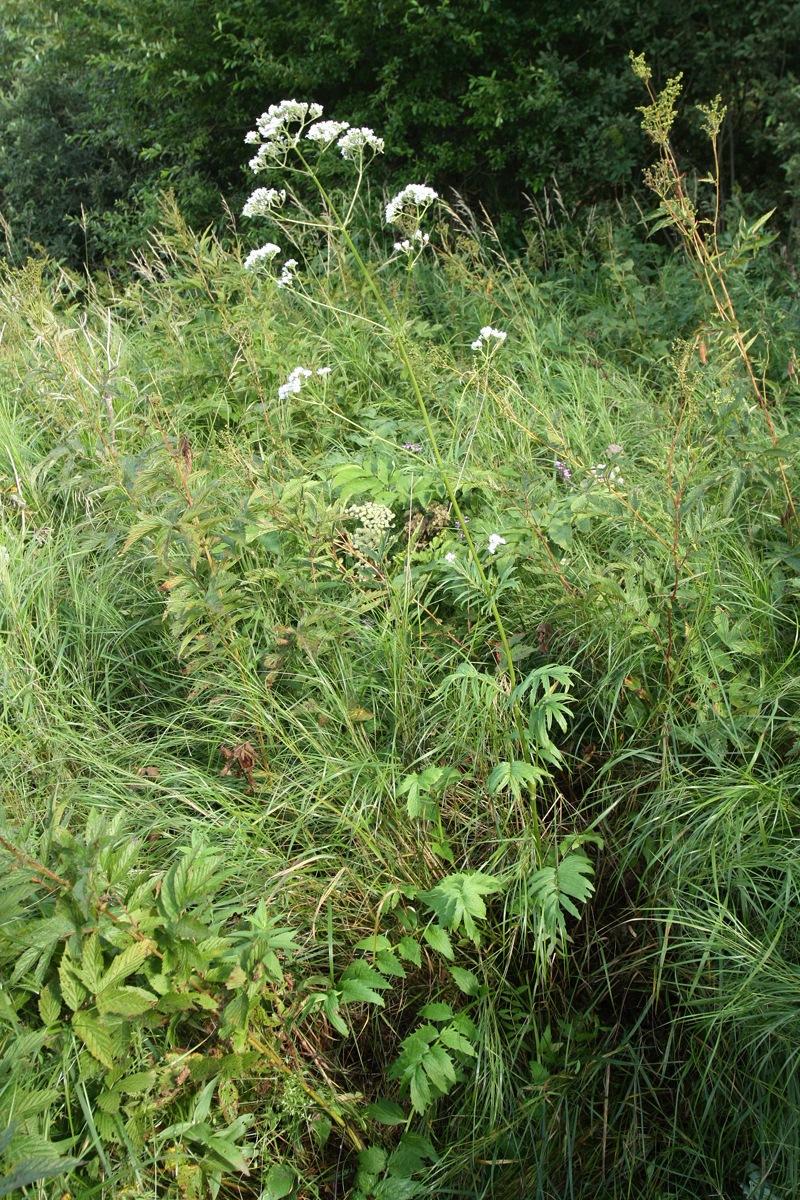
(356, 141)
(287, 278)
(417, 194)
(450, 558)
(488, 334)
(418, 238)
(326, 132)
(264, 254)
(294, 383)
(494, 541)
(262, 201)
(272, 130)
(323, 371)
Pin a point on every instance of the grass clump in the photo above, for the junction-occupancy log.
(399, 720)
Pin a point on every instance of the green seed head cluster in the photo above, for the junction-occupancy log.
(375, 522)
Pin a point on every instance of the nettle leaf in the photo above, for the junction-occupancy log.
(458, 900)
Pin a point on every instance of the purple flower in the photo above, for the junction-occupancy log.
(563, 470)
(413, 446)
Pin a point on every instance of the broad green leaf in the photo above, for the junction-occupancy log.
(465, 981)
(49, 1005)
(278, 1182)
(96, 1037)
(91, 965)
(72, 989)
(456, 1041)
(126, 963)
(438, 940)
(439, 1068)
(437, 1011)
(358, 984)
(385, 1112)
(458, 900)
(514, 776)
(409, 949)
(125, 1001)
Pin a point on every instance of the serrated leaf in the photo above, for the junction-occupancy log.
(438, 940)
(33, 1169)
(373, 943)
(465, 981)
(409, 949)
(96, 1037)
(450, 1037)
(358, 985)
(49, 1005)
(72, 990)
(91, 964)
(439, 1068)
(458, 900)
(372, 1160)
(126, 963)
(388, 962)
(385, 1112)
(513, 776)
(437, 1011)
(125, 1001)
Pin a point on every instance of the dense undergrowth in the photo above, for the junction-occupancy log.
(353, 847)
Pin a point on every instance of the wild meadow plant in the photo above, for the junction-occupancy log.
(399, 716)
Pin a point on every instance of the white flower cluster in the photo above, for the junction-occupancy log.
(326, 132)
(417, 239)
(415, 193)
(264, 254)
(272, 134)
(353, 143)
(262, 201)
(487, 334)
(495, 541)
(287, 276)
(294, 383)
(375, 522)
(450, 558)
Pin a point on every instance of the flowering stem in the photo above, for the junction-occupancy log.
(403, 352)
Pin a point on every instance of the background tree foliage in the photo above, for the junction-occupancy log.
(104, 105)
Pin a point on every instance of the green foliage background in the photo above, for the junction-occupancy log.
(105, 104)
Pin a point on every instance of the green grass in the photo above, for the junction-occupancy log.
(193, 645)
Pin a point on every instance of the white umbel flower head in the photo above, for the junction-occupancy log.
(488, 334)
(262, 201)
(356, 141)
(287, 273)
(494, 541)
(326, 132)
(416, 194)
(294, 384)
(262, 256)
(272, 133)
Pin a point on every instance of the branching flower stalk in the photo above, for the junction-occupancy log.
(278, 141)
(678, 211)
